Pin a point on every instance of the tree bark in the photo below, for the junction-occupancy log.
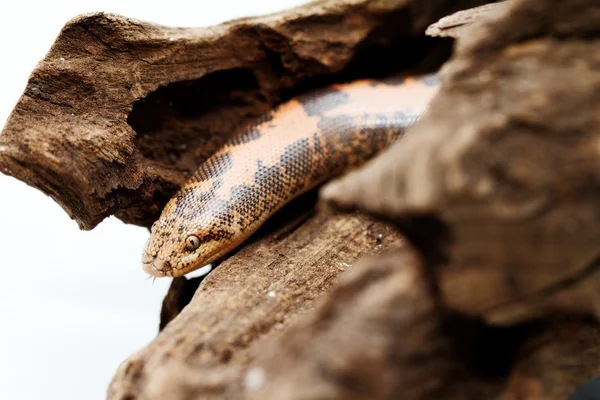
(503, 167)
(120, 112)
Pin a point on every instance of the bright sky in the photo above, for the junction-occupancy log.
(75, 304)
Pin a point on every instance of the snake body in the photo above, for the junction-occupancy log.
(297, 146)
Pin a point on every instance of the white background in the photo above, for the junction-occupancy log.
(74, 304)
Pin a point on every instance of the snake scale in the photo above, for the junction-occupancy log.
(297, 146)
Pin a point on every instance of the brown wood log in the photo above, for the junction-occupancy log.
(456, 24)
(504, 168)
(120, 112)
(254, 295)
(378, 335)
(555, 360)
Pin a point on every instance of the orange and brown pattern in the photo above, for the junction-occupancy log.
(294, 148)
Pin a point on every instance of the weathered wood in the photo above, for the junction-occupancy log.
(456, 24)
(254, 295)
(378, 335)
(496, 188)
(555, 360)
(121, 111)
(504, 167)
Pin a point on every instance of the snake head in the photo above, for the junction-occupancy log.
(186, 237)
(169, 252)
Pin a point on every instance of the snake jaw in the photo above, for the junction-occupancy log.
(157, 267)
(154, 266)
(151, 269)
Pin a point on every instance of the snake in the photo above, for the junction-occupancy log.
(290, 150)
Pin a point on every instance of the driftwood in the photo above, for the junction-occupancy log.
(504, 166)
(497, 184)
(120, 112)
(456, 24)
(492, 295)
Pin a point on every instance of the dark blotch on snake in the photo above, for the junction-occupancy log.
(214, 167)
(323, 101)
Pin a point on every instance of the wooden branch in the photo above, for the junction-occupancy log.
(505, 166)
(497, 188)
(456, 24)
(555, 359)
(377, 335)
(255, 295)
(120, 111)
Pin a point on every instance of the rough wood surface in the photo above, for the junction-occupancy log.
(504, 165)
(378, 335)
(121, 111)
(554, 361)
(456, 24)
(254, 295)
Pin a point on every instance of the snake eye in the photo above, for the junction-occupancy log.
(192, 243)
